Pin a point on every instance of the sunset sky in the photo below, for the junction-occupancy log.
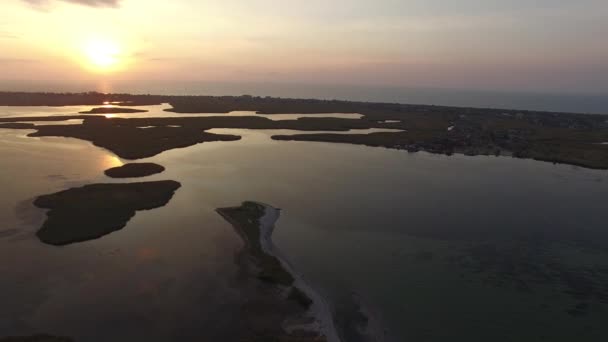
(543, 45)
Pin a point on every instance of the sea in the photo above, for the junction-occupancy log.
(596, 103)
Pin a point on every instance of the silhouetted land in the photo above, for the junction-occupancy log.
(113, 110)
(36, 338)
(92, 211)
(266, 314)
(129, 141)
(134, 170)
(76, 99)
(555, 137)
(246, 220)
(17, 125)
(46, 118)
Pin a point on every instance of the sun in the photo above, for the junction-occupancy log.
(102, 55)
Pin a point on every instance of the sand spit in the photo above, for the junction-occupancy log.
(305, 315)
(319, 310)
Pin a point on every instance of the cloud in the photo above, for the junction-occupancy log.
(91, 3)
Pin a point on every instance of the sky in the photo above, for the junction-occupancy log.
(542, 45)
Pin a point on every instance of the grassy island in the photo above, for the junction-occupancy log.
(92, 211)
(113, 110)
(134, 170)
(289, 302)
(36, 338)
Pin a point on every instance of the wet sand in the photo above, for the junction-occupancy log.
(303, 316)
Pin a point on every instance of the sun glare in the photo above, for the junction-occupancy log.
(103, 55)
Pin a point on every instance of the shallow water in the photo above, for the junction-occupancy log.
(407, 232)
(156, 111)
(459, 248)
(170, 273)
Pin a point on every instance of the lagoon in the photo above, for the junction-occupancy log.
(430, 247)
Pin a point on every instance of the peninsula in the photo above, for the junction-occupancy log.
(303, 317)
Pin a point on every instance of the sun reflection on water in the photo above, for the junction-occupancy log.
(110, 161)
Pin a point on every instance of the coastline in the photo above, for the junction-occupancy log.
(566, 138)
(320, 309)
(313, 320)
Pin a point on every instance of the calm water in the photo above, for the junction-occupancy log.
(158, 111)
(583, 103)
(436, 248)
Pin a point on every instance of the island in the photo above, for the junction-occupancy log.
(290, 309)
(17, 125)
(92, 211)
(91, 98)
(568, 138)
(130, 141)
(36, 338)
(113, 110)
(134, 170)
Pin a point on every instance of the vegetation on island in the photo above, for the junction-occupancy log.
(576, 139)
(134, 170)
(277, 285)
(36, 338)
(113, 110)
(92, 211)
(246, 220)
(130, 141)
(17, 125)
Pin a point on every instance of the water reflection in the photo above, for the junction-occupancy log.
(57, 123)
(265, 135)
(407, 232)
(426, 240)
(155, 111)
(111, 161)
(149, 282)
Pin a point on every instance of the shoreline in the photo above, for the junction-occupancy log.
(320, 308)
(566, 138)
(310, 317)
(374, 331)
